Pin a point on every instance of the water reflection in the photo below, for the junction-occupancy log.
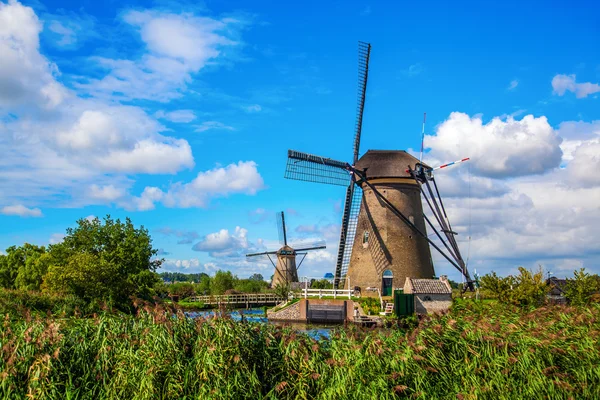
(315, 331)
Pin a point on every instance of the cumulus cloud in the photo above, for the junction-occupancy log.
(79, 140)
(223, 244)
(567, 83)
(513, 84)
(506, 219)
(242, 177)
(107, 193)
(499, 148)
(187, 266)
(26, 77)
(178, 46)
(21, 211)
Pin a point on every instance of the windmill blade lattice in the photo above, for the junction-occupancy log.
(311, 168)
(364, 53)
(349, 222)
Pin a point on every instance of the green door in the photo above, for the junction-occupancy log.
(404, 304)
(387, 283)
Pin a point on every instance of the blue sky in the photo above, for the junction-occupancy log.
(180, 115)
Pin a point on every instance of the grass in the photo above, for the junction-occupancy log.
(476, 351)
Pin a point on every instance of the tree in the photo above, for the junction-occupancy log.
(531, 288)
(250, 285)
(581, 288)
(222, 281)
(23, 267)
(525, 289)
(256, 277)
(117, 258)
(86, 276)
(498, 286)
(182, 289)
(204, 285)
(321, 284)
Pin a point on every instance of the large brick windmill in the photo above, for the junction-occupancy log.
(286, 270)
(383, 235)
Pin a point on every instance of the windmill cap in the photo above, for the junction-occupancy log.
(387, 163)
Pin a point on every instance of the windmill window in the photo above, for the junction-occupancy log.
(411, 218)
(365, 237)
(427, 298)
(388, 274)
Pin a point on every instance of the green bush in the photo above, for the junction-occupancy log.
(582, 287)
(182, 289)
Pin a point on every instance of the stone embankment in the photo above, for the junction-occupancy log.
(289, 313)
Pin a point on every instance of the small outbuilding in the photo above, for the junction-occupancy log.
(430, 295)
(556, 295)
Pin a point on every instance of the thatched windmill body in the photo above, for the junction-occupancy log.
(383, 236)
(286, 269)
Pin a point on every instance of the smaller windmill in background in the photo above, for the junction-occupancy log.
(286, 269)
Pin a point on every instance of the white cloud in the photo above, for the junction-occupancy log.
(187, 266)
(584, 169)
(223, 244)
(513, 84)
(177, 116)
(146, 200)
(107, 193)
(178, 46)
(242, 177)
(21, 211)
(26, 77)
(567, 83)
(517, 219)
(57, 142)
(500, 148)
(208, 125)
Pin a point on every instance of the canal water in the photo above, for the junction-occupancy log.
(257, 315)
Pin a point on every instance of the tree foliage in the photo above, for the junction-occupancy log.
(582, 287)
(23, 267)
(222, 281)
(526, 289)
(105, 261)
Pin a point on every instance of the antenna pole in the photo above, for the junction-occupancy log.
(422, 136)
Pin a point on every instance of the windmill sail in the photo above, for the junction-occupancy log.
(364, 53)
(281, 229)
(311, 168)
(347, 233)
(351, 203)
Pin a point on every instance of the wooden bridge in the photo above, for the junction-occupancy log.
(241, 300)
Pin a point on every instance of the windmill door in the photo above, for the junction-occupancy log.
(387, 280)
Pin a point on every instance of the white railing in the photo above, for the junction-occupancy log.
(326, 292)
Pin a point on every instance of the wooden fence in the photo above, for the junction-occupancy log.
(250, 299)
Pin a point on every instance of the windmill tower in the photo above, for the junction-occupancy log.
(383, 236)
(286, 270)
